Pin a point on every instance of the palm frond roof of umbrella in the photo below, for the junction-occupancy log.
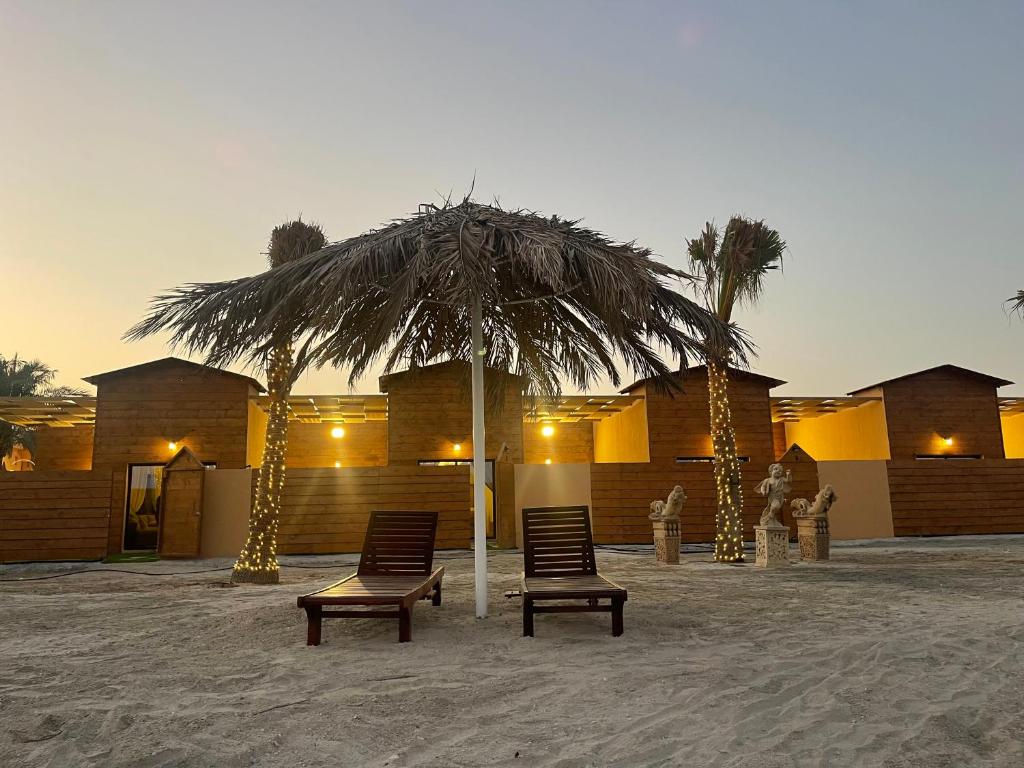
(559, 300)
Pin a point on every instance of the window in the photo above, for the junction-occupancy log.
(705, 459)
(948, 456)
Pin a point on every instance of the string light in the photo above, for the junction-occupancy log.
(257, 563)
(729, 516)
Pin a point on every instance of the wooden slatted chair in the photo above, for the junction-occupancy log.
(558, 548)
(394, 570)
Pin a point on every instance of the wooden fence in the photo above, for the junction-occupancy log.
(57, 515)
(934, 498)
(326, 510)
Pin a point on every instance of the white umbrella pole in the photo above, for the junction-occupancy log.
(479, 464)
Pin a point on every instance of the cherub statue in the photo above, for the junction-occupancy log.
(671, 508)
(819, 509)
(775, 487)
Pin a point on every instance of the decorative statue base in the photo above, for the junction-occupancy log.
(812, 524)
(665, 519)
(666, 541)
(814, 538)
(772, 546)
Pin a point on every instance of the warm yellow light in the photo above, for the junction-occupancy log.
(547, 430)
(337, 464)
(172, 446)
(547, 461)
(337, 433)
(457, 447)
(947, 440)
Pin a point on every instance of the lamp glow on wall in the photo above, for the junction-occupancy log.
(457, 447)
(948, 441)
(338, 432)
(547, 430)
(172, 446)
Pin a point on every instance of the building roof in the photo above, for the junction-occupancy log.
(169, 362)
(995, 381)
(802, 408)
(48, 411)
(462, 365)
(735, 373)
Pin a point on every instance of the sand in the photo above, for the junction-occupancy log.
(899, 653)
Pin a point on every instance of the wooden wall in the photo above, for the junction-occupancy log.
(140, 411)
(571, 443)
(311, 445)
(63, 448)
(326, 510)
(430, 410)
(56, 515)
(936, 498)
(922, 409)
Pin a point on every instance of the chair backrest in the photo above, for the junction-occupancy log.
(557, 542)
(399, 543)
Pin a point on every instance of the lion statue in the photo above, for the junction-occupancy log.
(671, 508)
(819, 509)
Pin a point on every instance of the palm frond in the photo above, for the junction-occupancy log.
(1017, 303)
(559, 301)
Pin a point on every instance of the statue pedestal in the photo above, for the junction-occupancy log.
(666, 541)
(814, 537)
(772, 546)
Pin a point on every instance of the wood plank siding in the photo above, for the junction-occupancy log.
(63, 448)
(56, 515)
(922, 409)
(326, 510)
(311, 445)
(430, 411)
(937, 498)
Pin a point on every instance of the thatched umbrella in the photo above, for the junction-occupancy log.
(551, 298)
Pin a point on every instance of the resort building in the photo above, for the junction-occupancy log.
(163, 458)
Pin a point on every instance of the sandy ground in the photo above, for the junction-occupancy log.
(901, 653)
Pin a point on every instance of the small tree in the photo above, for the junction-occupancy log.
(26, 378)
(257, 563)
(733, 267)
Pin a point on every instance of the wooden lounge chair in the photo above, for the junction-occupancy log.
(559, 551)
(394, 570)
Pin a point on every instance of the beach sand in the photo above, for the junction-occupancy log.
(897, 653)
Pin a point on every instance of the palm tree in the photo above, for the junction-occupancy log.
(26, 378)
(733, 267)
(257, 562)
(552, 298)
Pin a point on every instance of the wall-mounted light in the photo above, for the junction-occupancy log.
(547, 461)
(547, 430)
(947, 440)
(338, 432)
(457, 447)
(172, 446)
(337, 465)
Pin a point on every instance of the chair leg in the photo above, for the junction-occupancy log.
(313, 622)
(436, 600)
(617, 604)
(405, 624)
(527, 618)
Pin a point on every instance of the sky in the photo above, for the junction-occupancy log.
(144, 145)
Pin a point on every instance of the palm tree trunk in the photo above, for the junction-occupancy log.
(729, 519)
(257, 563)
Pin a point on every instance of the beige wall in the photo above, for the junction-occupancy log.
(862, 509)
(552, 485)
(227, 495)
(622, 437)
(1013, 435)
(256, 435)
(851, 434)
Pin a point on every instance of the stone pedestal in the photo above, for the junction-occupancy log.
(772, 546)
(814, 537)
(666, 541)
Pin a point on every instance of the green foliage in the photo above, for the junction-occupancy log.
(26, 378)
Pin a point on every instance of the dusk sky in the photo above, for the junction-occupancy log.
(145, 145)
